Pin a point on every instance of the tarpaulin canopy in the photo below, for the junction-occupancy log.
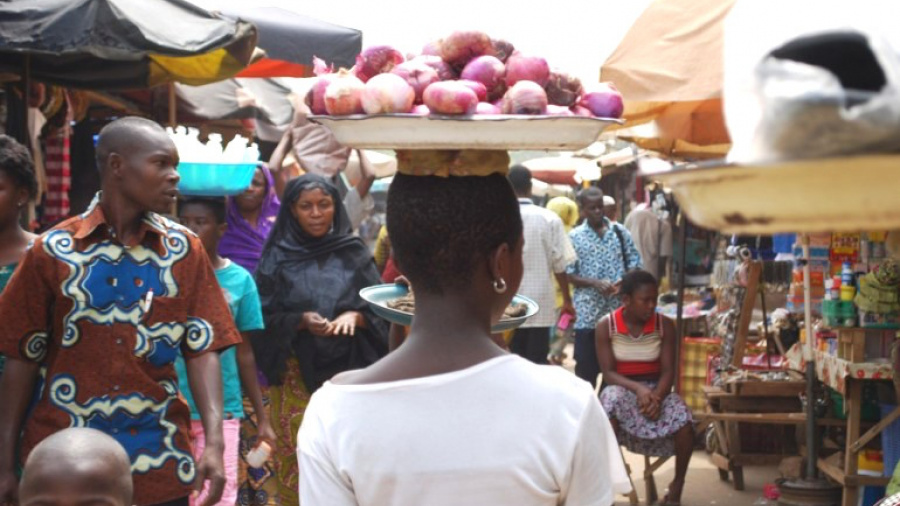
(121, 44)
(669, 69)
(291, 40)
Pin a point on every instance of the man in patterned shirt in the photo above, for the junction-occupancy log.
(605, 253)
(95, 315)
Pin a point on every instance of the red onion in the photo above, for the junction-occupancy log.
(315, 98)
(461, 47)
(376, 60)
(563, 89)
(433, 48)
(450, 97)
(488, 71)
(478, 88)
(320, 67)
(421, 110)
(418, 75)
(578, 110)
(559, 110)
(502, 49)
(487, 108)
(604, 101)
(445, 71)
(343, 95)
(527, 68)
(387, 94)
(525, 97)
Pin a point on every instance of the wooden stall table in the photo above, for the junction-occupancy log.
(750, 402)
(847, 378)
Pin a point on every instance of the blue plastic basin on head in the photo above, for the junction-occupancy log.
(214, 179)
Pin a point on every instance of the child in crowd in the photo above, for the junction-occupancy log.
(74, 467)
(206, 218)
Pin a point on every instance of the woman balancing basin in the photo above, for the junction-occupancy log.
(450, 417)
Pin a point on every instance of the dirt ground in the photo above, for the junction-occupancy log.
(703, 485)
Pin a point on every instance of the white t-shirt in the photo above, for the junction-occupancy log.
(503, 432)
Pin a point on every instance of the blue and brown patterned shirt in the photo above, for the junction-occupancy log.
(599, 257)
(77, 305)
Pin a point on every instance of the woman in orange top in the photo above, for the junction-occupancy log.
(636, 351)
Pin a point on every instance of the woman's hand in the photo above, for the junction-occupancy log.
(317, 325)
(650, 403)
(345, 324)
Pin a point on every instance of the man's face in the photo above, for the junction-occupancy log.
(202, 221)
(592, 209)
(147, 175)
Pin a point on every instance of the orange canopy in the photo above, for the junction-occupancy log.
(669, 69)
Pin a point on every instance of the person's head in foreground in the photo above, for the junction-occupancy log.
(590, 201)
(137, 162)
(205, 216)
(77, 467)
(458, 238)
(640, 292)
(520, 180)
(17, 181)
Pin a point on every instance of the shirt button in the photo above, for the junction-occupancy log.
(115, 430)
(116, 388)
(118, 341)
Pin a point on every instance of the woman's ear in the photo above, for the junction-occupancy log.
(499, 262)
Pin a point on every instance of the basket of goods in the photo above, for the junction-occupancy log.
(456, 109)
(467, 91)
(208, 170)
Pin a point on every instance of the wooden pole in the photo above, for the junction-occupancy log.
(173, 106)
(679, 318)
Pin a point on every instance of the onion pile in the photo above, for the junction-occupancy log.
(465, 73)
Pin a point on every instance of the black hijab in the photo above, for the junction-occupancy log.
(299, 273)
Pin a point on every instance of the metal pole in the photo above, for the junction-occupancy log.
(812, 451)
(679, 321)
(173, 103)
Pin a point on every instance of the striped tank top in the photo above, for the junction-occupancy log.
(636, 356)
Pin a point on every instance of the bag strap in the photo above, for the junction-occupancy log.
(618, 232)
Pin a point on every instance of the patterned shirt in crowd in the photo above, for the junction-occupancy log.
(76, 305)
(599, 258)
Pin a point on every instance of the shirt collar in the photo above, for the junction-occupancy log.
(93, 218)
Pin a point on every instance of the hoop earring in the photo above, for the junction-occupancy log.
(500, 285)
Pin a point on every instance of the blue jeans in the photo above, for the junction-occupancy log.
(587, 367)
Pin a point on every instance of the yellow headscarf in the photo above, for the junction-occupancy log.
(567, 210)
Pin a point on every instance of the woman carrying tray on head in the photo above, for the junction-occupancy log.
(250, 218)
(449, 417)
(636, 351)
(309, 279)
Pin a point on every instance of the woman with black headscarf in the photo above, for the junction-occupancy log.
(309, 277)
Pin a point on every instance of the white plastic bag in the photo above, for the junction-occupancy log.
(778, 108)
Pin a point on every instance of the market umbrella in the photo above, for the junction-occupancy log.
(669, 69)
(120, 44)
(291, 41)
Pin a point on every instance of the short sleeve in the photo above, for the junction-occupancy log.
(209, 324)
(573, 267)
(26, 307)
(320, 481)
(634, 256)
(563, 252)
(598, 471)
(249, 312)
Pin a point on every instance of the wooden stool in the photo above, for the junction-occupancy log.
(650, 467)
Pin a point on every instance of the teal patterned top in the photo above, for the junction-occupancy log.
(6, 272)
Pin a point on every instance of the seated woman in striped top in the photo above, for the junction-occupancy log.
(636, 351)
